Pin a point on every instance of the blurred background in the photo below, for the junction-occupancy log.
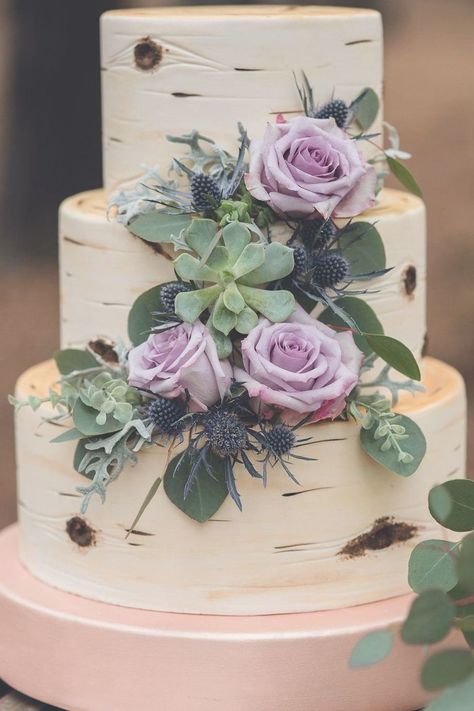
(50, 148)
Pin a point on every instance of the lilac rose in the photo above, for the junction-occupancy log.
(301, 366)
(183, 358)
(306, 166)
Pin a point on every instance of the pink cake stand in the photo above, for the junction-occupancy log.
(88, 656)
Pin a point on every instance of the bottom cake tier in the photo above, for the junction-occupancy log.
(341, 538)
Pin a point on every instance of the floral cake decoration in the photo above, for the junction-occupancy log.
(263, 331)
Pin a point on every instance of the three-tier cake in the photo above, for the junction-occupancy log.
(245, 422)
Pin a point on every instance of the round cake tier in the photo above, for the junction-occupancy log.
(341, 538)
(103, 269)
(171, 70)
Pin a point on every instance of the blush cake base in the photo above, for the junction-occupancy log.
(84, 655)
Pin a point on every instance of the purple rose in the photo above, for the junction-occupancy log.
(309, 165)
(179, 359)
(300, 366)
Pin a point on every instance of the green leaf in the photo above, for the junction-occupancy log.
(459, 698)
(433, 564)
(430, 619)
(360, 312)
(466, 564)
(447, 668)
(233, 299)
(189, 268)
(79, 455)
(72, 359)
(246, 320)
(403, 175)
(279, 262)
(159, 227)
(84, 418)
(208, 492)
(414, 445)
(465, 621)
(222, 319)
(189, 305)
(362, 245)
(274, 305)
(371, 649)
(223, 343)
(199, 235)
(365, 108)
(452, 504)
(252, 256)
(395, 354)
(140, 318)
(236, 237)
(148, 498)
(67, 436)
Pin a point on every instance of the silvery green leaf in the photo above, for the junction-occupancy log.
(274, 305)
(246, 320)
(233, 299)
(222, 319)
(251, 257)
(189, 268)
(123, 412)
(433, 564)
(372, 648)
(158, 227)
(236, 237)
(218, 260)
(279, 262)
(430, 619)
(365, 108)
(402, 174)
(223, 343)
(199, 235)
(189, 305)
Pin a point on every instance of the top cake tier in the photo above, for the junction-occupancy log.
(168, 70)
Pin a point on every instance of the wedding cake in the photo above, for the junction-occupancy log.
(241, 419)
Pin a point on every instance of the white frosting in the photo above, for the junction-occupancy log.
(281, 554)
(221, 66)
(103, 269)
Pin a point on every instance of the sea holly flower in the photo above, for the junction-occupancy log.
(231, 274)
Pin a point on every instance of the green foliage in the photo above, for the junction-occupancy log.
(365, 108)
(393, 440)
(361, 313)
(73, 359)
(67, 436)
(142, 317)
(232, 271)
(452, 504)
(146, 502)
(159, 227)
(112, 399)
(466, 564)
(430, 618)
(403, 175)
(445, 668)
(362, 245)
(393, 352)
(372, 648)
(433, 565)
(209, 489)
(85, 420)
(458, 698)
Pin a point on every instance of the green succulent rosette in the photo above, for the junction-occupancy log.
(232, 269)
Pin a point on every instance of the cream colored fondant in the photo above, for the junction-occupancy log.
(103, 269)
(281, 554)
(222, 67)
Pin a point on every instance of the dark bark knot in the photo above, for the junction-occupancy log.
(384, 533)
(148, 54)
(80, 532)
(409, 280)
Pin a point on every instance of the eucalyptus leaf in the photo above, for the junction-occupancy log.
(72, 359)
(140, 318)
(395, 353)
(452, 504)
(67, 436)
(433, 564)
(446, 668)
(414, 446)
(457, 698)
(465, 620)
(208, 492)
(363, 315)
(372, 648)
(466, 564)
(365, 108)
(430, 618)
(403, 175)
(84, 419)
(158, 226)
(362, 245)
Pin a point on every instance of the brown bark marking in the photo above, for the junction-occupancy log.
(363, 41)
(104, 348)
(148, 54)
(384, 533)
(409, 280)
(425, 347)
(80, 532)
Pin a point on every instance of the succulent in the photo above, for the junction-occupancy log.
(109, 396)
(230, 275)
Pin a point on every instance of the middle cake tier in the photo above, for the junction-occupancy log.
(341, 537)
(104, 268)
